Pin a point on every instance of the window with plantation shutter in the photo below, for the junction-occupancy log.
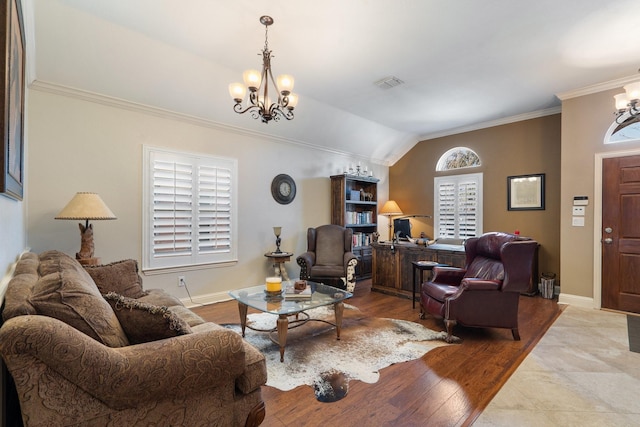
(458, 206)
(189, 214)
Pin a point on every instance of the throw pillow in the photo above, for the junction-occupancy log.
(144, 322)
(71, 296)
(120, 277)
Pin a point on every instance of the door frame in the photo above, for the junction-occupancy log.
(597, 219)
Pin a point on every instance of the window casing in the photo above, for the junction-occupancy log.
(458, 206)
(189, 212)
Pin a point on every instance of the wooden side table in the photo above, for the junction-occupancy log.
(278, 259)
(421, 266)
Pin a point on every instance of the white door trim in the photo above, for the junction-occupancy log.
(597, 219)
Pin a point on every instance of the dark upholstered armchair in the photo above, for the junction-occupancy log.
(485, 293)
(329, 258)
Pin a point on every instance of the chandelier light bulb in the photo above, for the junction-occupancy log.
(633, 91)
(285, 84)
(621, 101)
(293, 101)
(237, 91)
(252, 79)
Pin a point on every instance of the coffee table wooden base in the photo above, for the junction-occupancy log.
(283, 324)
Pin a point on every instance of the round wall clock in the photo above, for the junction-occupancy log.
(283, 189)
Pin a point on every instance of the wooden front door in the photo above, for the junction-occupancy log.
(620, 234)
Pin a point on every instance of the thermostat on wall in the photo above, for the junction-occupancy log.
(580, 200)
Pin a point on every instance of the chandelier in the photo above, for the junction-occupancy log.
(628, 102)
(259, 103)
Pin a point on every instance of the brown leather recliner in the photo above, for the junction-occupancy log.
(485, 293)
(329, 258)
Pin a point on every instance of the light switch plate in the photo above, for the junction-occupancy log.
(578, 210)
(577, 221)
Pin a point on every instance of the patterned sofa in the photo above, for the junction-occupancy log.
(89, 346)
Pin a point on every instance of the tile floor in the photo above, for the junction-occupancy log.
(581, 373)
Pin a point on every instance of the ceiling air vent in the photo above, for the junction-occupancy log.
(388, 82)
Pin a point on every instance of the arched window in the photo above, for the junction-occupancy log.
(628, 130)
(458, 158)
(458, 198)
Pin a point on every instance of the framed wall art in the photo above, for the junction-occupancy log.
(525, 192)
(12, 82)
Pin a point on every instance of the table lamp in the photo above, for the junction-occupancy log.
(390, 209)
(277, 231)
(86, 206)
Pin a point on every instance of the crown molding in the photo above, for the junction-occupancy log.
(97, 98)
(598, 87)
(493, 123)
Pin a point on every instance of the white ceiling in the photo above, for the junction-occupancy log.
(465, 63)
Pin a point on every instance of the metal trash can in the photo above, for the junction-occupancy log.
(547, 285)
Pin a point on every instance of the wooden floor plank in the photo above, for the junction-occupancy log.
(449, 386)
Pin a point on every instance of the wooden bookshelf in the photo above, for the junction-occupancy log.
(354, 204)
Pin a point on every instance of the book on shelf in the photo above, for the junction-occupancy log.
(361, 239)
(291, 292)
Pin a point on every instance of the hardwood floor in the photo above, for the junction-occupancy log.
(449, 386)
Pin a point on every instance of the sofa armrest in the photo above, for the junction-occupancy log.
(348, 256)
(129, 376)
(306, 261)
(448, 275)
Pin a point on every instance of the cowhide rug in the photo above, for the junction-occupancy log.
(313, 356)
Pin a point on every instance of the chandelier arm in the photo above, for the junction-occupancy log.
(273, 81)
(253, 98)
(239, 109)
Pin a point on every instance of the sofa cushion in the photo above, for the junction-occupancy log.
(71, 296)
(143, 322)
(120, 277)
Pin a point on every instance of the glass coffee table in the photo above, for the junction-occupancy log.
(257, 298)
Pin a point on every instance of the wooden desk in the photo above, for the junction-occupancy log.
(393, 269)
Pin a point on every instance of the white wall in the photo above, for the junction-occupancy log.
(12, 235)
(79, 145)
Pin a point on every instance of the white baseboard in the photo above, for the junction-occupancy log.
(577, 300)
(205, 299)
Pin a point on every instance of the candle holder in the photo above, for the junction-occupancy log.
(277, 231)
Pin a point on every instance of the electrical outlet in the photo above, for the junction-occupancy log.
(181, 281)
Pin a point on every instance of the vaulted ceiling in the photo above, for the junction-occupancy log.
(465, 64)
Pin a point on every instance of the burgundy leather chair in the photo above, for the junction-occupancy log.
(486, 293)
(329, 258)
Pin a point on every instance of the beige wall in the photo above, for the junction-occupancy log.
(526, 147)
(585, 121)
(87, 146)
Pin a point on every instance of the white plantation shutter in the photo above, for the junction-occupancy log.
(189, 213)
(458, 205)
(172, 218)
(214, 209)
(468, 202)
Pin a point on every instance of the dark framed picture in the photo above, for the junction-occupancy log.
(12, 114)
(525, 192)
